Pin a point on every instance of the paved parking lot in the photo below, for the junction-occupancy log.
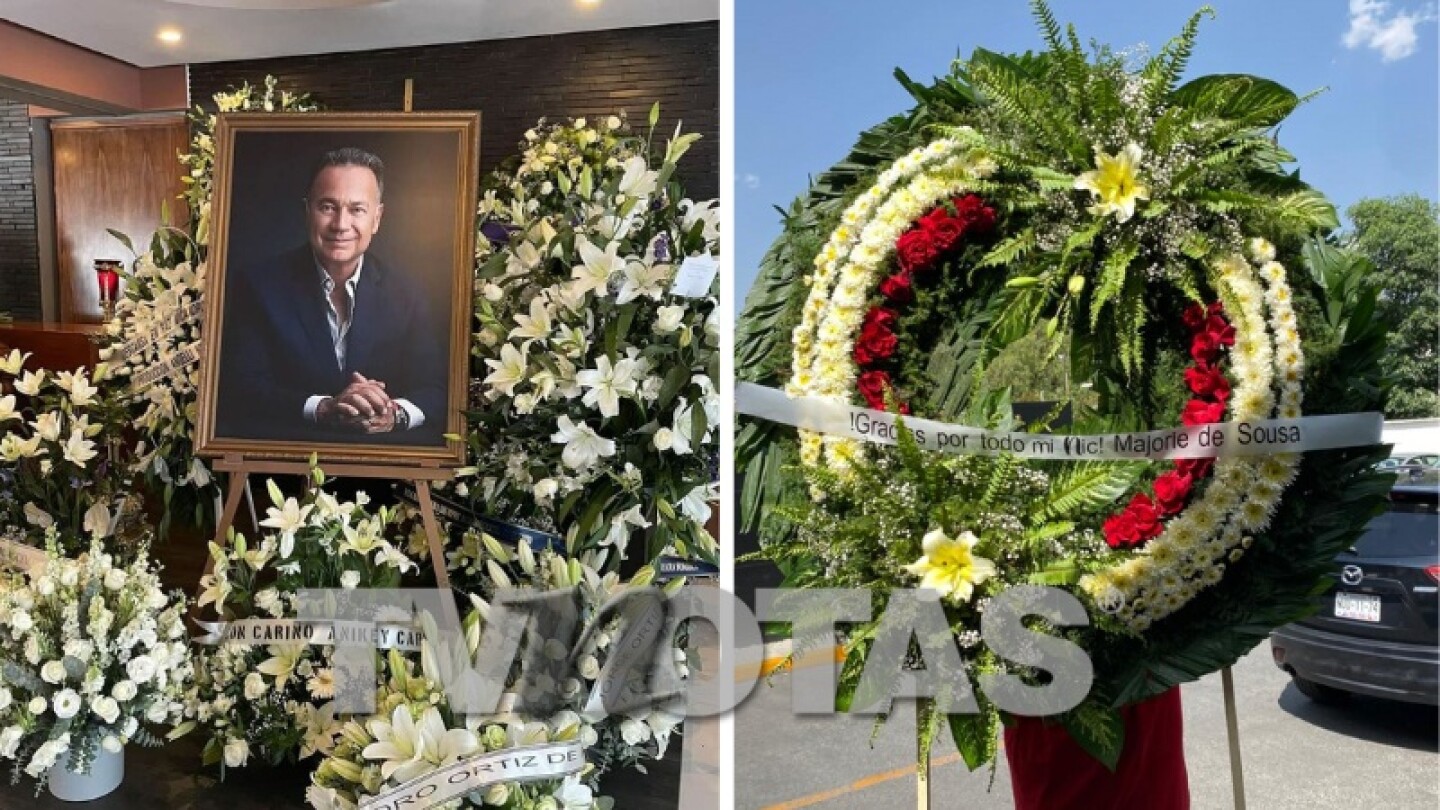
(1369, 753)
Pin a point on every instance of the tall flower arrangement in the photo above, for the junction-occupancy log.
(158, 321)
(596, 411)
(90, 650)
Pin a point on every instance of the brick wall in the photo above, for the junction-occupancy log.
(19, 248)
(515, 81)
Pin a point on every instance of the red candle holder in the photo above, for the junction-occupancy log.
(107, 275)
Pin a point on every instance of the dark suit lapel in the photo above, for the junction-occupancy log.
(368, 320)
(309, 307)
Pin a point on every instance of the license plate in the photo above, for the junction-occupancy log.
(1360, 606)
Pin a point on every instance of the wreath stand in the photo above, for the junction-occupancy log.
(1232, 731)
(240, 468)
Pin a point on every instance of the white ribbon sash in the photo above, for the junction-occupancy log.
(259, 632)
(525, 764)
(1223, 440)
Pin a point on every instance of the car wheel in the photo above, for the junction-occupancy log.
(1319, 692)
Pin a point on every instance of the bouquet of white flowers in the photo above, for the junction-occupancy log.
(55, 470)
(274, 701)
(597, 412)
(89, 650)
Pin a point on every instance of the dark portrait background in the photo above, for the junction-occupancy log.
(270, 178)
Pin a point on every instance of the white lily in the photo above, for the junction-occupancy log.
(11, 363)
(47, 425)
(509, 371)
(606, 384)
(643, 279)
(78, 449)
(29, 384)
(282, 662)
(583, 446)
(288, 519)
(638, 180)
(598, 268)
(535, 326)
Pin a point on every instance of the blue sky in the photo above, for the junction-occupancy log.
(809, 76)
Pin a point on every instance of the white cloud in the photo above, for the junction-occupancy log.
(750, 180)
(1393, 35)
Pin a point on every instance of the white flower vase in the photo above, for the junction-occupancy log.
(107, 770)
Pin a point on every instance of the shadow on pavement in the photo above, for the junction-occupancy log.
(1387, 722)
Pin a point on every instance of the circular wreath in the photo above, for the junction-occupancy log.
(1144, 233)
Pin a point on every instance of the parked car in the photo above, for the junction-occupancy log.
(1414, 461)
(1375, 632)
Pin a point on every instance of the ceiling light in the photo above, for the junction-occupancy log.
(169, 35)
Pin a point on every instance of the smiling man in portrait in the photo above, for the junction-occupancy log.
(326, 341)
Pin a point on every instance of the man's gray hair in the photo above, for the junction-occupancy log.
(350, 156)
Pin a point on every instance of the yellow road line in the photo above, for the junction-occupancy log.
(782, 663)
(859, 785)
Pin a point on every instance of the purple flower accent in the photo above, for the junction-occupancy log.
(661, 246)
(497, 232)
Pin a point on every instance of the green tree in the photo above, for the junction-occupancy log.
(1401, 235)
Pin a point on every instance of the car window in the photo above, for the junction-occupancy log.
(1407, 530)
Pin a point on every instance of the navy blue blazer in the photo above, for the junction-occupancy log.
(276, 351)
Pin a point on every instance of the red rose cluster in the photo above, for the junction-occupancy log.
(1210, 334)
(917, 251)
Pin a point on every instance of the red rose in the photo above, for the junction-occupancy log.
(945, 230)
(1145, 516)
(1120, 531)
(974, 213)
(1200, 412)
(876, 343)
(899, 288)
(1221, 330)
(1171, 490)
(1204, 348)
(1195, 468)
(916, 250)
(881, 317)
(873, 385)
(1208, 381)
(1193, 316)
(1216, 309)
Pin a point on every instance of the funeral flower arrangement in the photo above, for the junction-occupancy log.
(154, 339)
(273, 701)
(597, 407)
(1150, 232)
(55, 468)
(91, 650)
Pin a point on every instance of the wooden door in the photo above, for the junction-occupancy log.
(111, 173)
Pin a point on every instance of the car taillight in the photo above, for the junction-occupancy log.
(1434, 572)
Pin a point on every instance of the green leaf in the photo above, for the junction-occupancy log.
(973, 735)
(1099, 730)
(654, 114)
(124, 240)
(1242, 99)
(1112, 279)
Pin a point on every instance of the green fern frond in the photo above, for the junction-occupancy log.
(1112, 279)
(1009, 249)
(1165, 69)
(1087, 486)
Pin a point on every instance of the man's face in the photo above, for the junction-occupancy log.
(343, 213)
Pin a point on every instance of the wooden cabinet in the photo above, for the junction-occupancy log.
(111, 173)
(54, 346)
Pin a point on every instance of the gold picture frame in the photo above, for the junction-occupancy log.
(266, 320)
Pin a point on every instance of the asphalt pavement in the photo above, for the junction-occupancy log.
(1295, 754)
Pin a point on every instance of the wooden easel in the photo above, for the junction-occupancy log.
(240, 468)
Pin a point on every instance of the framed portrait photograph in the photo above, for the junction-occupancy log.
(338, 300)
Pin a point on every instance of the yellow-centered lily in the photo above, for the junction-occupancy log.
(1115, 182)
(949, 565)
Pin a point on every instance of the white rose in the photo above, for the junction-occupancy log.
(350, 580)
(668, 318)
(67, 704)
(545, 489)
(53, 672)
(37, 705)
(111, 743)
(45, 586)
(254, 686)
(140, 669)
(115, 579)
(32, 650)
(589, 668)
(157, 711)
(106, 709)
(493, 293)
(124, 690)
(236, 753)
(664, 439)
(5, 698)
(129, 728)
(20, 620)
(69, 577)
